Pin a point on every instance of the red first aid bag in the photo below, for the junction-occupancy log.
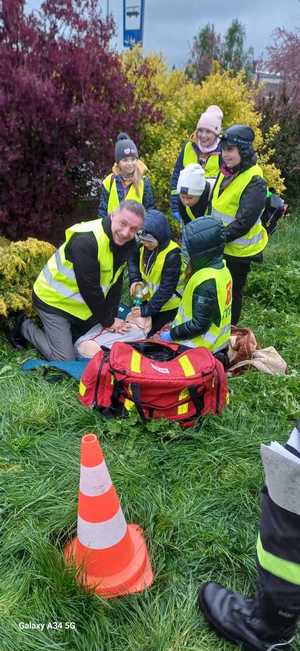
(161, 379)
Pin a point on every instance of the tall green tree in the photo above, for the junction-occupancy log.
(234, 55)
(205, 49)
(230, 51)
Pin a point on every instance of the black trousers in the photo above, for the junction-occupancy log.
(279, 533)
(239, 271)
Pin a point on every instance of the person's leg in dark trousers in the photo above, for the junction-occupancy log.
(161, 319)
(239, 271)
(55, 340)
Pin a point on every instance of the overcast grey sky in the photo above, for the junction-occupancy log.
(171, 24)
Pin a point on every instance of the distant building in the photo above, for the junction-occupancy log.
(270, 81)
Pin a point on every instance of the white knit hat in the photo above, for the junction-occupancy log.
(211, 119)
(191, 180)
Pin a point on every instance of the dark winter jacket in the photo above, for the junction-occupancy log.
(148, 198)
(157, 225)
(204, 241)
(82, 251)
(177, 169)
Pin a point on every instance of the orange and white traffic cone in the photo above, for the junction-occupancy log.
(111, 556)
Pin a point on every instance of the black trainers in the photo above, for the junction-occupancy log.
(240, 620)
(14, 335)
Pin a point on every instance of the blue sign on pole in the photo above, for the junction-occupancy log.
(133, 22)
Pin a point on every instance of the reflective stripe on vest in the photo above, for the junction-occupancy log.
(225, 207)
(153, 278)
(60, 288)
(217, 337)
(245, 241)
(101, 535)
(212, 165)
(62, 268)
(114, 200)
(286, 570)
(57, 286)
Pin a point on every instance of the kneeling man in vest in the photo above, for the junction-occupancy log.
(204, 314)
(81, 283)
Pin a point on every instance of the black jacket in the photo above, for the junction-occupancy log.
(82, 251)
(157, 225)
(204, 241)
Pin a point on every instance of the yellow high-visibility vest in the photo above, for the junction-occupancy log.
(189, 213)
(114, 201)
(225, 207)
(57, 286)
(217, 336)
(212, 165)
(153, 278)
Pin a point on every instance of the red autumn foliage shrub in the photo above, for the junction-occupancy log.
(284, 57)
(283, 107)
(63, 99)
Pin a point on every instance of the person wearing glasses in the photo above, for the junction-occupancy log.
(158, 267)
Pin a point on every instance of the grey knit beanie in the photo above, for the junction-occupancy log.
(125, 147)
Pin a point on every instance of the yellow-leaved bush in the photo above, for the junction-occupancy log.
(180, 103)
(20, 264)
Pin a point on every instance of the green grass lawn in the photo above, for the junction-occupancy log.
(195, 492)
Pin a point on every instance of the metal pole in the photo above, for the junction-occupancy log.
(107, 9)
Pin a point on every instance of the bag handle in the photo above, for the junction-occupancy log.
(136, 396)
(105, 357)
(197, 399)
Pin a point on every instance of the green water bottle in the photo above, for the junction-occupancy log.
(138, 295)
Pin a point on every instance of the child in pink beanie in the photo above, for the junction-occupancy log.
(203, 148)
(209, 129)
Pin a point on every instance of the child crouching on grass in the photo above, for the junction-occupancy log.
(204, 314)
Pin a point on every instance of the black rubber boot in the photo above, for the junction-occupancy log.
(254, 624)
(14, 335)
